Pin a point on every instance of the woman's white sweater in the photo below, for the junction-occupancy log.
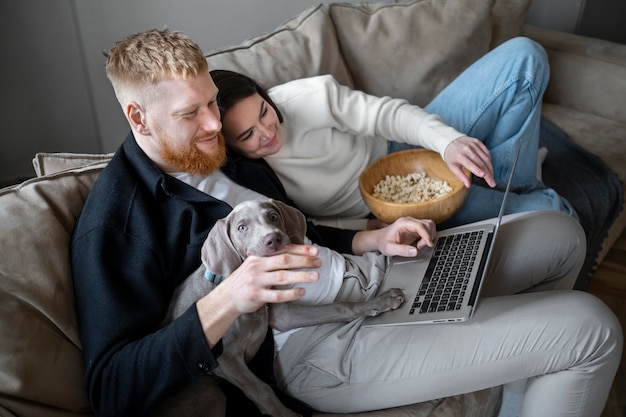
(332, 133)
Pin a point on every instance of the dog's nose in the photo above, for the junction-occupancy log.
(273, 241)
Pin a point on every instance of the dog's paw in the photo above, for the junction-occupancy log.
(395, 296)
(389, 300)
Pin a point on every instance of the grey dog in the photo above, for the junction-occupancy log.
(262, 228)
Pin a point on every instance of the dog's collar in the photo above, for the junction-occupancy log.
(215, 279)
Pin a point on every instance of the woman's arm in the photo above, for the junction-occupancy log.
(404, 237)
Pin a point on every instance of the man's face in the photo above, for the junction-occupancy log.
(185, 126)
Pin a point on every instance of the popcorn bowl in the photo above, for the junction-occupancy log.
(403, 163)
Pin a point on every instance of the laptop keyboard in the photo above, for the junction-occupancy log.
(447, 277)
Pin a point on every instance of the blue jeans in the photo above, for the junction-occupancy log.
(498, 100)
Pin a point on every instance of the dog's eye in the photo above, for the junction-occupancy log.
(242, 228)
(273, 216)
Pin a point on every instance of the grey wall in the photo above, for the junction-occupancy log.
(54, 94)
(605, 19)
(561, 15)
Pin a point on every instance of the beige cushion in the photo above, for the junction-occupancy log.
(585, 129)
(46, 163)
(411, 49)
(41, 369)
(508, 17)
(586, 74)
(304, 46)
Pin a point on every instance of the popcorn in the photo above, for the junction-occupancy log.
(416, 187)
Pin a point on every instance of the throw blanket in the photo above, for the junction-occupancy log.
(593, 189)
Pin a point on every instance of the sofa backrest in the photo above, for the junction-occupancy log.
(303, 46)
(408, 49)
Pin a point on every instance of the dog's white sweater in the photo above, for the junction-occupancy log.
(333, 266)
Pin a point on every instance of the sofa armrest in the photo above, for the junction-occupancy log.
(587, 74)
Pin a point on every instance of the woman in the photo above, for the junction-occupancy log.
(318, 136)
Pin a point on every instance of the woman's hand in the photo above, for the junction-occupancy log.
(404, 237)
(252, 285)
(472, 154)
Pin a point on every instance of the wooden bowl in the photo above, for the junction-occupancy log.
(403, 163)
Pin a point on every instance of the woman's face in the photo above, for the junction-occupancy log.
(251, 127)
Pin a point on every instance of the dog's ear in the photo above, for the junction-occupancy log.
(218, 253)
(295, 222)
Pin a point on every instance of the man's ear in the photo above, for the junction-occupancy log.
(137, 118)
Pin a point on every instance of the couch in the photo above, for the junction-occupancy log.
(407, 49)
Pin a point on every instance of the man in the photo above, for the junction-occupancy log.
(142, 227)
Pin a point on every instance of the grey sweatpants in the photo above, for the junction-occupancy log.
(567, 343)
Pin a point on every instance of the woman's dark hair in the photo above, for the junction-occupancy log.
(234, 87)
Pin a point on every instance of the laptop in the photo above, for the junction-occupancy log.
(442, 284)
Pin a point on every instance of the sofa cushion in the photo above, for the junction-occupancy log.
(303, 46)
(508, 18)
(411, 49)
(46, 163)
(41, 371)
(415, 48)
(586, 74)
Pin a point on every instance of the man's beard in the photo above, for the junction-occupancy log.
(191, 160)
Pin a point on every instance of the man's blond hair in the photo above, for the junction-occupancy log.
(138, 62)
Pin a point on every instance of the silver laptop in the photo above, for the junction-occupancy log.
(442, 284)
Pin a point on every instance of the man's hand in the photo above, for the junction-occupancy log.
(404, 237)
(251, 286)
(472, 154)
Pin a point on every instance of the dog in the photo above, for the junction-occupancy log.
(262, 228)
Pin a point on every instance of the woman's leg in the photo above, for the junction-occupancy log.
(498, 100)
(568, 342)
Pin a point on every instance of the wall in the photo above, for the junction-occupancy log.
(605, 19)
(55, 95)
(45, 100)
(561, 15)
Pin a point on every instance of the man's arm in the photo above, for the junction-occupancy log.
(121, 297)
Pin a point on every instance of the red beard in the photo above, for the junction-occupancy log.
(191, 160)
